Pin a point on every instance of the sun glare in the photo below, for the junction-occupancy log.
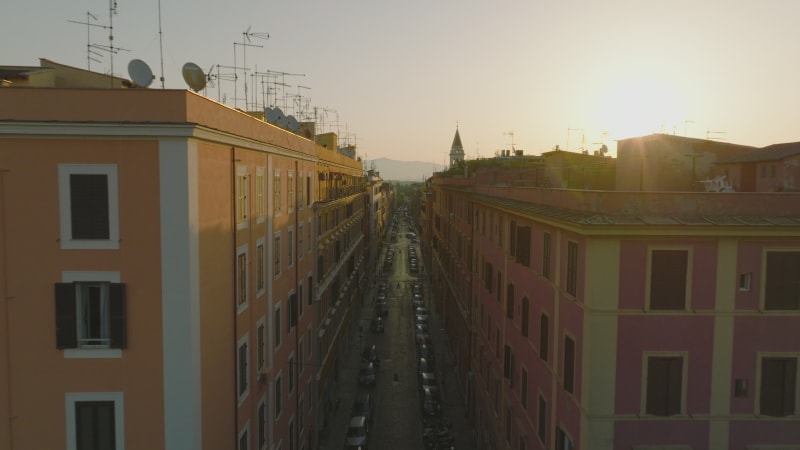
(636, 106)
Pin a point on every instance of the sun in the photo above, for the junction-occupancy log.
(639, 104)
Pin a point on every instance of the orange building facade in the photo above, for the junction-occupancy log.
(158, 257)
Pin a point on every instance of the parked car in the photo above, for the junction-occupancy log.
(425, 351)
(377, 325)
(364, 406)
(425, 365)
(357, 433)
(426, 379)
(431, 401)
(381, 309)
(367, 375)
(370, 354)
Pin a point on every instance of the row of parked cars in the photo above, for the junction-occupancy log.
(430, 396)
(413, 261)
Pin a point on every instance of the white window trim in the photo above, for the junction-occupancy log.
(278, 381)
(276, 207)
(243, 341)
(684, 380)
(65, 211)
(689, 270)
(262, 242)
(260, 172)
(290, 188)
(245, 431)
(261, 322)
(71, 398)
(290, 245)
(91, 353)
(263, 402)
(239, 251)
(242, 171)
(276, 248)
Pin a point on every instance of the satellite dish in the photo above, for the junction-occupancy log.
(193, 76)
(292, 123)
(271, 114)
(140, 73)
(278, 115)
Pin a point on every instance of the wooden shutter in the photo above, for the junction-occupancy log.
(66, 320)
(117, 316)
(778, 390)
(664, 385)
(668, 279)
(544, 334)
(782, 288)
(569, 365)
(89, 206)
(512, 238)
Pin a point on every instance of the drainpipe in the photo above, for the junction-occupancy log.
(235, 303)
(298, 359)
(6, 408)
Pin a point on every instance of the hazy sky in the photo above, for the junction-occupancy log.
(395, 77)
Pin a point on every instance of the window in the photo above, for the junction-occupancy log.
(523, 389)
(244, 442)
(88, 205)
(745, 280)
(260, 200)
(664, 385)
(499, 286)
(291, 435)
(668, 271)
(541, 431)
(300, 241)
(90, 314)
(299, 301)
(242, 364)
(308, 190)
(510, 301)
(276, 256)
(778, 391)
(241, 278)
(290, 191)
(509, 418)
(277, 327)
(95, 420)
(544, 334)
(525, 314)
(310, 291)
(782, 284)
(260, 267)
(262, 344)
(276, 191)
(512, 238)
(300, 353)
(488, 275)
(262, 425)
(572, 268)
(290, 380)
(569, 365)
(291, 314)
(241, 197)
(547, 242)
(290, 248)
(524, 246)
(508, 365)
(278, 398)
(563, 442)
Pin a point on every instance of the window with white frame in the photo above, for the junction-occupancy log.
(241, 278)
(276, 191)
(241, 197)
(300, 241)
(290, 191)
(242, 364)
(90, 311)
(260, 199)
(290, 247)
(262, 344)
(664, 384)
(300, 191)
(278, 396)
(88, 206)
(261, 269)
(95, 420)
(244, 438)
(262, 424)
(276, 255)
(777, 395)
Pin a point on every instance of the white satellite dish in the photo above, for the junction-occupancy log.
(271, 114)
(278, 114)
(193, 76)
(140, 73)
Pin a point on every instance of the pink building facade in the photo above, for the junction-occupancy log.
(626, 320)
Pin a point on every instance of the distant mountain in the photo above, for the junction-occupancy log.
(394, 170)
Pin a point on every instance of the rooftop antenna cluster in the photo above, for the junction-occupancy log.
(246, 42)
(91, 54)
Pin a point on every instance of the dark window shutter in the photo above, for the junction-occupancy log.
(782, 287)
(89, 206)
(66, 320)
(117, 316)
(507, 362)
(664, 384)
(778, 386)
(293, 310)
(668, 279)
(544, 333)
(569, 365)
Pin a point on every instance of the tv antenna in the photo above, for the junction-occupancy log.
(275, 74)
(510, 133)
(161, 44)
(91, 55)
(715, 135)
(246, 42)
(230, 76)
(583, 136)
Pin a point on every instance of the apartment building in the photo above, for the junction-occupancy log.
(619, 319)
(159, 273)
